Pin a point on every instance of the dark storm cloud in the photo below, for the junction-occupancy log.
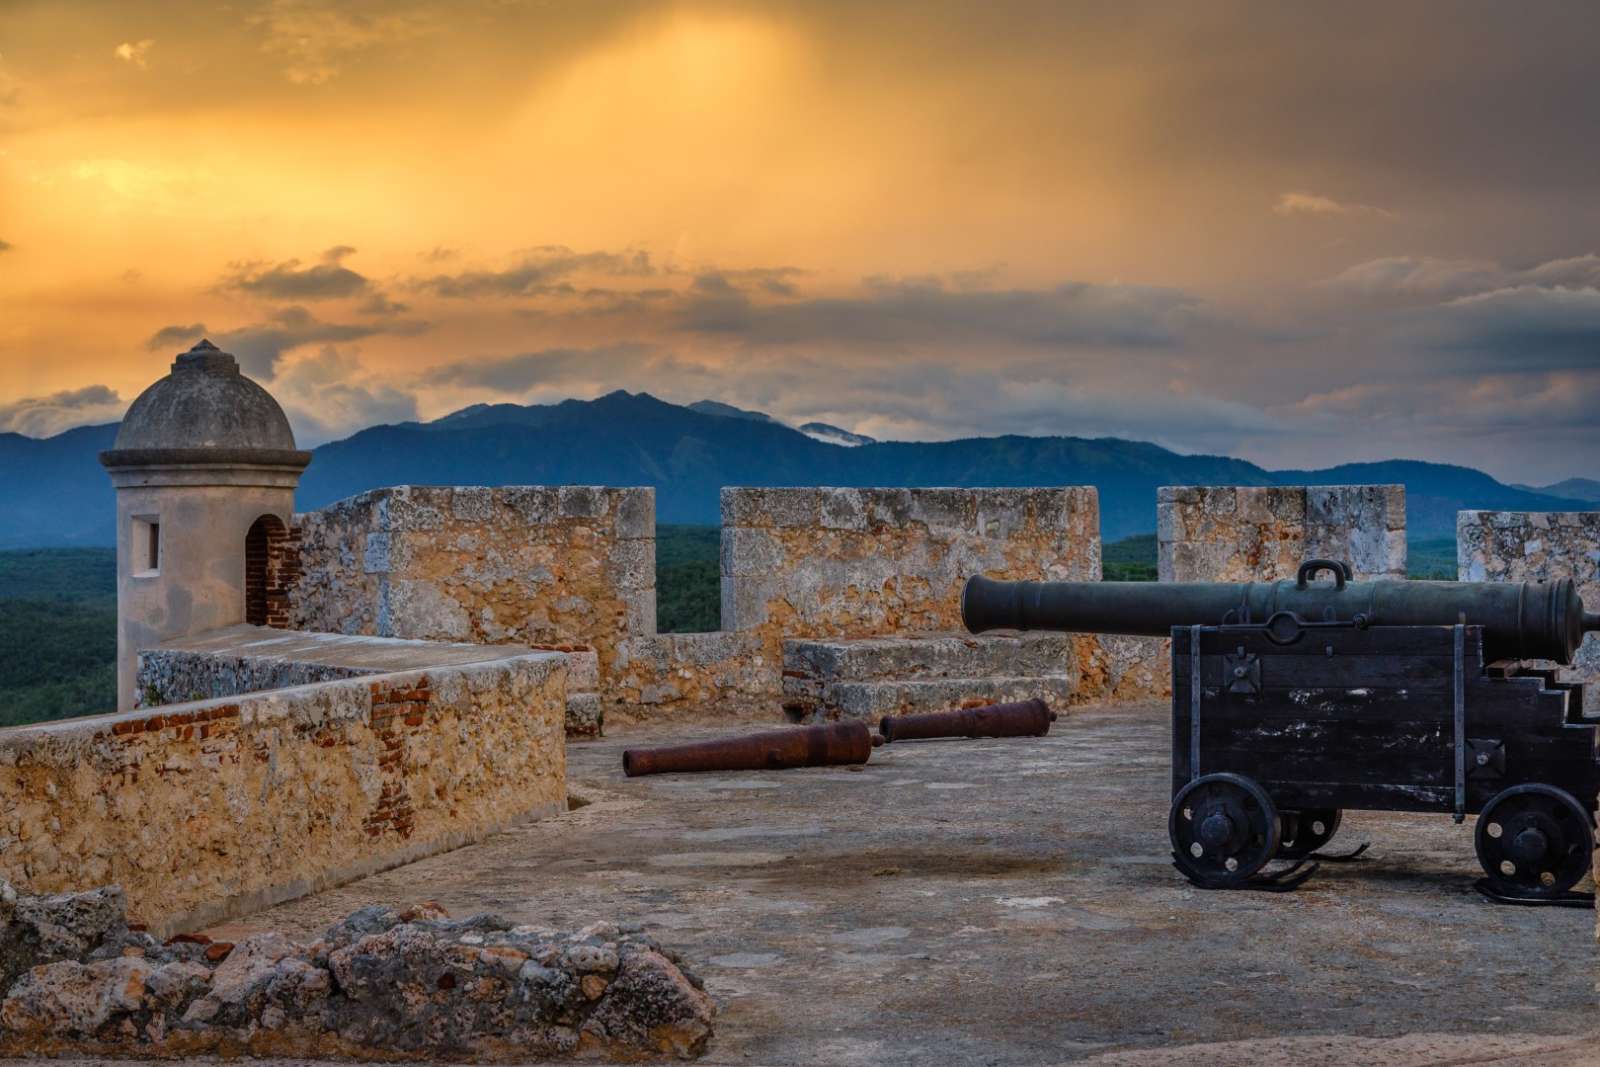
(328, 279)
(1419, 96)
(922, 310)
(540, 271)
(42, 416)
(1523, 329)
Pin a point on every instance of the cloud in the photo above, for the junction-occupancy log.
(134, 52)
(260, 346)
(330, 393)
(170, 336)
(314, 39)
(1524, 328)
(6, 246)
(1313, 204)
(902, 311)
(45, 416)
(325, 280)
(1428, 276)
(516, 375)
(773, 281)
(379, 304)
(540, 271)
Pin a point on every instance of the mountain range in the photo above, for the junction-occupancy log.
(57, 493)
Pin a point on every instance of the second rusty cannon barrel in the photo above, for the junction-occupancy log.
(1520, 620)
(827, 745)
(1024, 718)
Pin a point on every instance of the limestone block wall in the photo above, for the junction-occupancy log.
(537, 565)
(823, 562)
(211, 809)
(1263, 533)
(1524, 546)
(722, 669)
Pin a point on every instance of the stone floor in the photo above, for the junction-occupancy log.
(1012, 902)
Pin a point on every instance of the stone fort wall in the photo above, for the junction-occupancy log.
(206, 810)
(574, 566)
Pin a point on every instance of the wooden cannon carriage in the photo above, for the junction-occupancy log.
(1294, 701)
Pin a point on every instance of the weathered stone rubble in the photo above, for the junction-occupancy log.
(379, 984)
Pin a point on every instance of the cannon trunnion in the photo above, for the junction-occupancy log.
(1295, 700)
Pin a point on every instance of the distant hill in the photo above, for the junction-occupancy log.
(1577, 488)
(55, 490)
(58, 495)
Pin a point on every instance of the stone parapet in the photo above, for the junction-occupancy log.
(535, 565)
(824, 562)
(1263, 533)
(211, 809)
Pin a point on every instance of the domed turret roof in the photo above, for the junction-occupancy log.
(205, 405)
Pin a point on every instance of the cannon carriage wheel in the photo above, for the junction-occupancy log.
(1224, 828)
(1303, 832)
(1535, 841)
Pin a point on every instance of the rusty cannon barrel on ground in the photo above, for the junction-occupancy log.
(828, 745)
(1520, 620)
(1024, 718)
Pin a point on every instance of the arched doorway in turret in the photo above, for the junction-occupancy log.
(267, 572)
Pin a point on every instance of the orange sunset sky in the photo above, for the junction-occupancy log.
(1301, 234)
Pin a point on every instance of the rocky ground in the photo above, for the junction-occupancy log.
(1012, 903)
(380, 982)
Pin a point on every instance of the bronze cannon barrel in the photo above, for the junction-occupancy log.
(1520, 620)
(1023, 718)
(830, 744)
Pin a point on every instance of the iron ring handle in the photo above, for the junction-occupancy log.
(1310, 568)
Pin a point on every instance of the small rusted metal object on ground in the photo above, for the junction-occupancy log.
(828, 745)
(1025, 718)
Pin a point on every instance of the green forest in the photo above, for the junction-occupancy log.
(58, 611)
(688, 579)
(58, 633)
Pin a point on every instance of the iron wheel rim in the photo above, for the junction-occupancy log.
(1226, 851)
(1534, 840)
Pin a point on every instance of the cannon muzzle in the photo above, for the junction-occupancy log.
(1520, 620)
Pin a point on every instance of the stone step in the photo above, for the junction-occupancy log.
(932, 655)
(873, 699)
